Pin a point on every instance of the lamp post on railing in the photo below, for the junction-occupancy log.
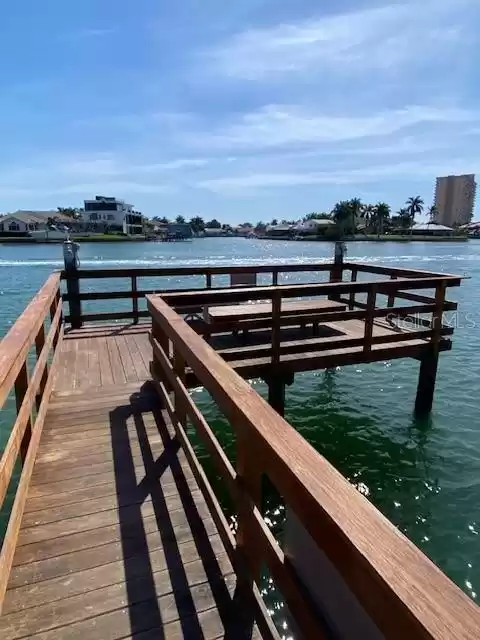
(72, 262)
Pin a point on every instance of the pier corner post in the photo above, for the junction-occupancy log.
(426, 383)
(70, 257)
(276, 394)
(276, 391)
(336, 271)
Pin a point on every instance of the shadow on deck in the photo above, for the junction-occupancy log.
(116, 539)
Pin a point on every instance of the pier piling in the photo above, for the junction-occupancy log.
(426, 383)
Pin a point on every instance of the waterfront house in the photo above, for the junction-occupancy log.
(432, 229)
(314, 227)
(281, 230)
(108, 213)
(213, 232)
(22, 222)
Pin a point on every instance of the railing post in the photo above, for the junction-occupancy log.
(53, 309)
(70, 250)
(21, 386)
(208, 280)
(429, 363)
(134, 300)
(179, 368)
(275, 277)
(369, 317)
(391, 296)
(39, 344)
(250, 477)
(276, 326)
(352, 293)
(336, 270)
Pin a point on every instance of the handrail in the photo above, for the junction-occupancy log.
(134, 293)
(402, 591)
(25, 434)
(15, 345)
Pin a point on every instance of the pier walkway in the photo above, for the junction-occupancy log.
(116, 540)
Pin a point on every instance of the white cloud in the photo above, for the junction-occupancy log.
(281, 125)
(252, 182)
(374, 37)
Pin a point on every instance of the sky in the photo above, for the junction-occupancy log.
(251, 110)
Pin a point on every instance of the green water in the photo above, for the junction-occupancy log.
(424, 476)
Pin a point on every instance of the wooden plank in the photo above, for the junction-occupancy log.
(15, 345)
(114, 598)
(93, 371)
(101, 317)
(30, 556)
(106, 374)
(13, 527)
(126, 358)
(68, 360)
(144, 348)
(106, 570)
(246, 311)
(118, 372)
(198, 271)
(105, 391)
(129, 515)
(141, 370)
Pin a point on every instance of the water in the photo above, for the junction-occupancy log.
(424, 476)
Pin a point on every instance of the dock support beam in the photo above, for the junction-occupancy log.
(276, 391)
(426, 383)
(70, 250)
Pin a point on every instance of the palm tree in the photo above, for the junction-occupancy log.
(432, 214)
(404, 216)
(342, 215)
(382, 213)
(414, 206)
(180, 220)
(356, 207)
(197, 223)
(368, 213)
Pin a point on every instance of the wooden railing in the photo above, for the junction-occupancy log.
(134, 292)
(401, 590)
(32, 396)
(431, 330)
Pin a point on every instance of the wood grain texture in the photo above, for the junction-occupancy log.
(15, 345)
(120, 548)
(15, 518)
(398, 586)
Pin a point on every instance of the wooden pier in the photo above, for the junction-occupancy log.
(115, 530)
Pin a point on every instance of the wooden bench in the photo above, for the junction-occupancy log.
(264, 309)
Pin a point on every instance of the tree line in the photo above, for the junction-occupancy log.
(348, 216)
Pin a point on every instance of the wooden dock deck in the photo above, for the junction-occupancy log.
(115, 530)
(116, 539)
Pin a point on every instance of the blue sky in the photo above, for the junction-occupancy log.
(261, 110)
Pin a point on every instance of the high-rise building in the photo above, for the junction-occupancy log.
(455, 199)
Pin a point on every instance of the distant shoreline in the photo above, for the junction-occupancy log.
(373, 238)
(357, 238)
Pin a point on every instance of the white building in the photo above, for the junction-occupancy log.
(313, 227)
(105, 212)
(26, 221)
(455, 199)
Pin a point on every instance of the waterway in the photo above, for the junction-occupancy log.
(424, 476)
